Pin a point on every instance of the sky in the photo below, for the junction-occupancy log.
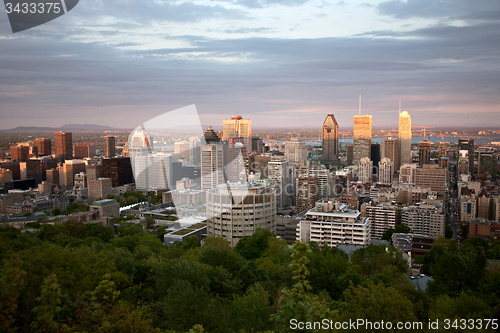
(281, 63)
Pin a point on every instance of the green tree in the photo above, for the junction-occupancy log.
(298, 303)
(377, 303)
(100, 231)
(374, 258)
(48, 306)
(12, 282)
(191, 242)
(252, 247)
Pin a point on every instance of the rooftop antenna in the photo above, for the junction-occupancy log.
(399, 106)
(360, 103)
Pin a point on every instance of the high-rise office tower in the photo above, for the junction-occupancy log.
(365, 170)
(84, 150)
(257, 144)
(234, 165)
(306, 191)
(279, 171)
(349, 153)
(463, 162)
(194, 151)
(118, 169)
(404, 138)
(385, 171)
(468, 144)
(327, 182)
(52, 176)
(19, 153)
(237, 127)
(390, 150)
(424, 152)
(64, 145)
(295, 150)
(330, 141)
(362, 137)
(69, 170)
(181, 148)
(486, 163)
(211, 136)
(431, 176)
(44, 146)
(375, 156)
(110, 146)
(407, 173)
(211, 166)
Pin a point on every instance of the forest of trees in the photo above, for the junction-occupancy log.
(76, 277)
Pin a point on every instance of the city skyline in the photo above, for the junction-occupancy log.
(279, 63)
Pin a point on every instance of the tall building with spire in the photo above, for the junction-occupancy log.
(362, 137)
(237, 127)
(330, 141)
(404, 139)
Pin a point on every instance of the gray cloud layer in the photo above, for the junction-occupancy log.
(46, 77)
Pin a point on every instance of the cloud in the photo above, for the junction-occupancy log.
(451, 9)
(105, 72)
(266, 3)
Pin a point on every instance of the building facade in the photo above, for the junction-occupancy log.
(362, 137)
(237, 210)
(330, 141)
(333, 223)
(404, 138)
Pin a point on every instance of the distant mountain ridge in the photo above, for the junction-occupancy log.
(67, 127)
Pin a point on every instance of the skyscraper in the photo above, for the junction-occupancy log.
(404, 138)
(44, 146)
(279, 172)
(211, 166)
(295, 150)
(365, 170)
(385, 171)
(110, 146)
(424, 152)
(390, 150)
(19, 153)
(64, 145)
(468, 144)
(330, 141)
(237, 127)
(486, 163)
(362, 137)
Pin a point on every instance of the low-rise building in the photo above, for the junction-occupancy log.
(107, 207)
(333, 223)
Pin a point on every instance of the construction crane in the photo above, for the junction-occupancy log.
(424, 127)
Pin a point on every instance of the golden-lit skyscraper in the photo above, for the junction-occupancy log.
(237, 127)
(404, 138)
(44, 146)
(330, 141)
(362, 137)
(64, 145)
